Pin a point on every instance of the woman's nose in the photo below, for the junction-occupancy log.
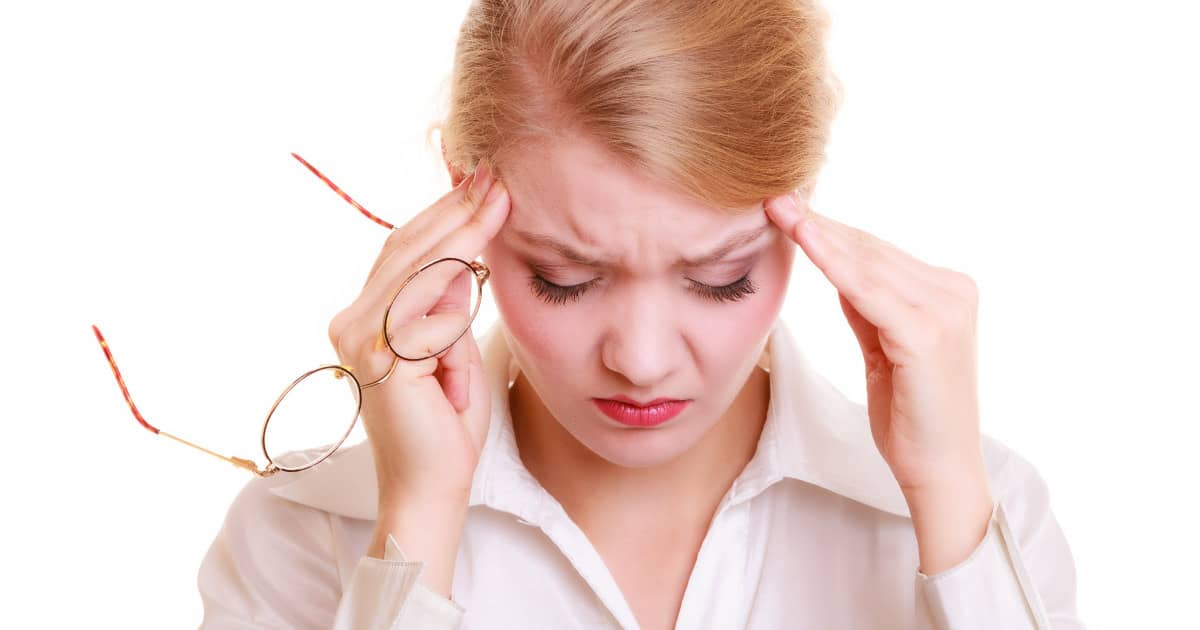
(644, 343)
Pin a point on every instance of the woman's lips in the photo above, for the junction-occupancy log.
(634, 416)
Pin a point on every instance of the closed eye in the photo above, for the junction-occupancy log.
(557, 294)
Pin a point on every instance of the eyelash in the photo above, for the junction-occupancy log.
(556, 294)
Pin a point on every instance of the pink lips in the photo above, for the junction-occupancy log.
(632, 413)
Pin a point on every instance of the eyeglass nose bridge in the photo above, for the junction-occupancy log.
(395, 362)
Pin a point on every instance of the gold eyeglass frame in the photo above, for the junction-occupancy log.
(481, 274)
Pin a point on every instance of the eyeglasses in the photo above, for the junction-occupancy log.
(314, 415)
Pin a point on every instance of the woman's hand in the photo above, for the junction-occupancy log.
(916, 326)
(428, 421)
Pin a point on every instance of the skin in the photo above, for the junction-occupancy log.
(640, 330)
(916, 326)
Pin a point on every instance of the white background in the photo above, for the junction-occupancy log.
(1046, 148)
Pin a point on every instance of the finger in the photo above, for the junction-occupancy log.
(877, 364)
(465, 243)
(476, 357)
(432, 224)
(866, 332)
(419, 330)
(791, 211)
(479, 418)
(929, 288)
(842, 253)
(408, 331)
(788, 212)
(469, 240)
(402, 236)
(934, 285)
(455, 365)
(469, 193)
(364, 348)
(882, 292)
(862, 243)
(454, 373)
(430, 316)
(404, 258)
(425, 336)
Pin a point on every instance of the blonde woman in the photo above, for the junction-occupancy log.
(638, 442)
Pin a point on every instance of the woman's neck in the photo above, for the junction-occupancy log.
(595, 492)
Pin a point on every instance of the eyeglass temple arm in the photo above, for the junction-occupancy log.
(236, 461)
(343, 194)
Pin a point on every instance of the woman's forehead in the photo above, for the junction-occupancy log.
(580, 204)
(624, 234)
(579, 177)
(665, 246)
(574, 189)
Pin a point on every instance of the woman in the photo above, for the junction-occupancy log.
(613, 149)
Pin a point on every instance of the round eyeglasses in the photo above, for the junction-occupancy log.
(318, 412)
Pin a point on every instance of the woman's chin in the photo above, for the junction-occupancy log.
(637, 448)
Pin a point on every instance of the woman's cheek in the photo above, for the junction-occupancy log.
(514, 302)
(772, 277)
(534, 324)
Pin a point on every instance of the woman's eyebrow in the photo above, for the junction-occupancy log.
(732, 244)
(737, 240)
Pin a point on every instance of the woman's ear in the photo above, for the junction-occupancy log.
(456, 174)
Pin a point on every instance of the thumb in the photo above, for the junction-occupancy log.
(479, 413)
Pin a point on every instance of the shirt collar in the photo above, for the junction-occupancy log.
(812, 433)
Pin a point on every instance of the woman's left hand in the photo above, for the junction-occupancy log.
(916, 325)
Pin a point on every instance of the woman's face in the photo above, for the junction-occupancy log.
(642, 322)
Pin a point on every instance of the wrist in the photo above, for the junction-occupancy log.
(395, 497)
(950, 519)
(427, 530)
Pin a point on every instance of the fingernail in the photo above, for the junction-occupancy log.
(480, 174)
(494, 194)
(466, 181)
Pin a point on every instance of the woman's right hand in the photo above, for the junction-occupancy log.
(428, 421)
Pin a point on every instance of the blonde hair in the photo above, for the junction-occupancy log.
(729, 100)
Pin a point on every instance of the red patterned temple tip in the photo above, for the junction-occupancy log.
(343, 195)
(120, 381)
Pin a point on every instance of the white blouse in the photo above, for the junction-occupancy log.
(814, 533)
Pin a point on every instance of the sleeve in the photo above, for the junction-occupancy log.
(386, 594)
(1021, 576)
(273, 565)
